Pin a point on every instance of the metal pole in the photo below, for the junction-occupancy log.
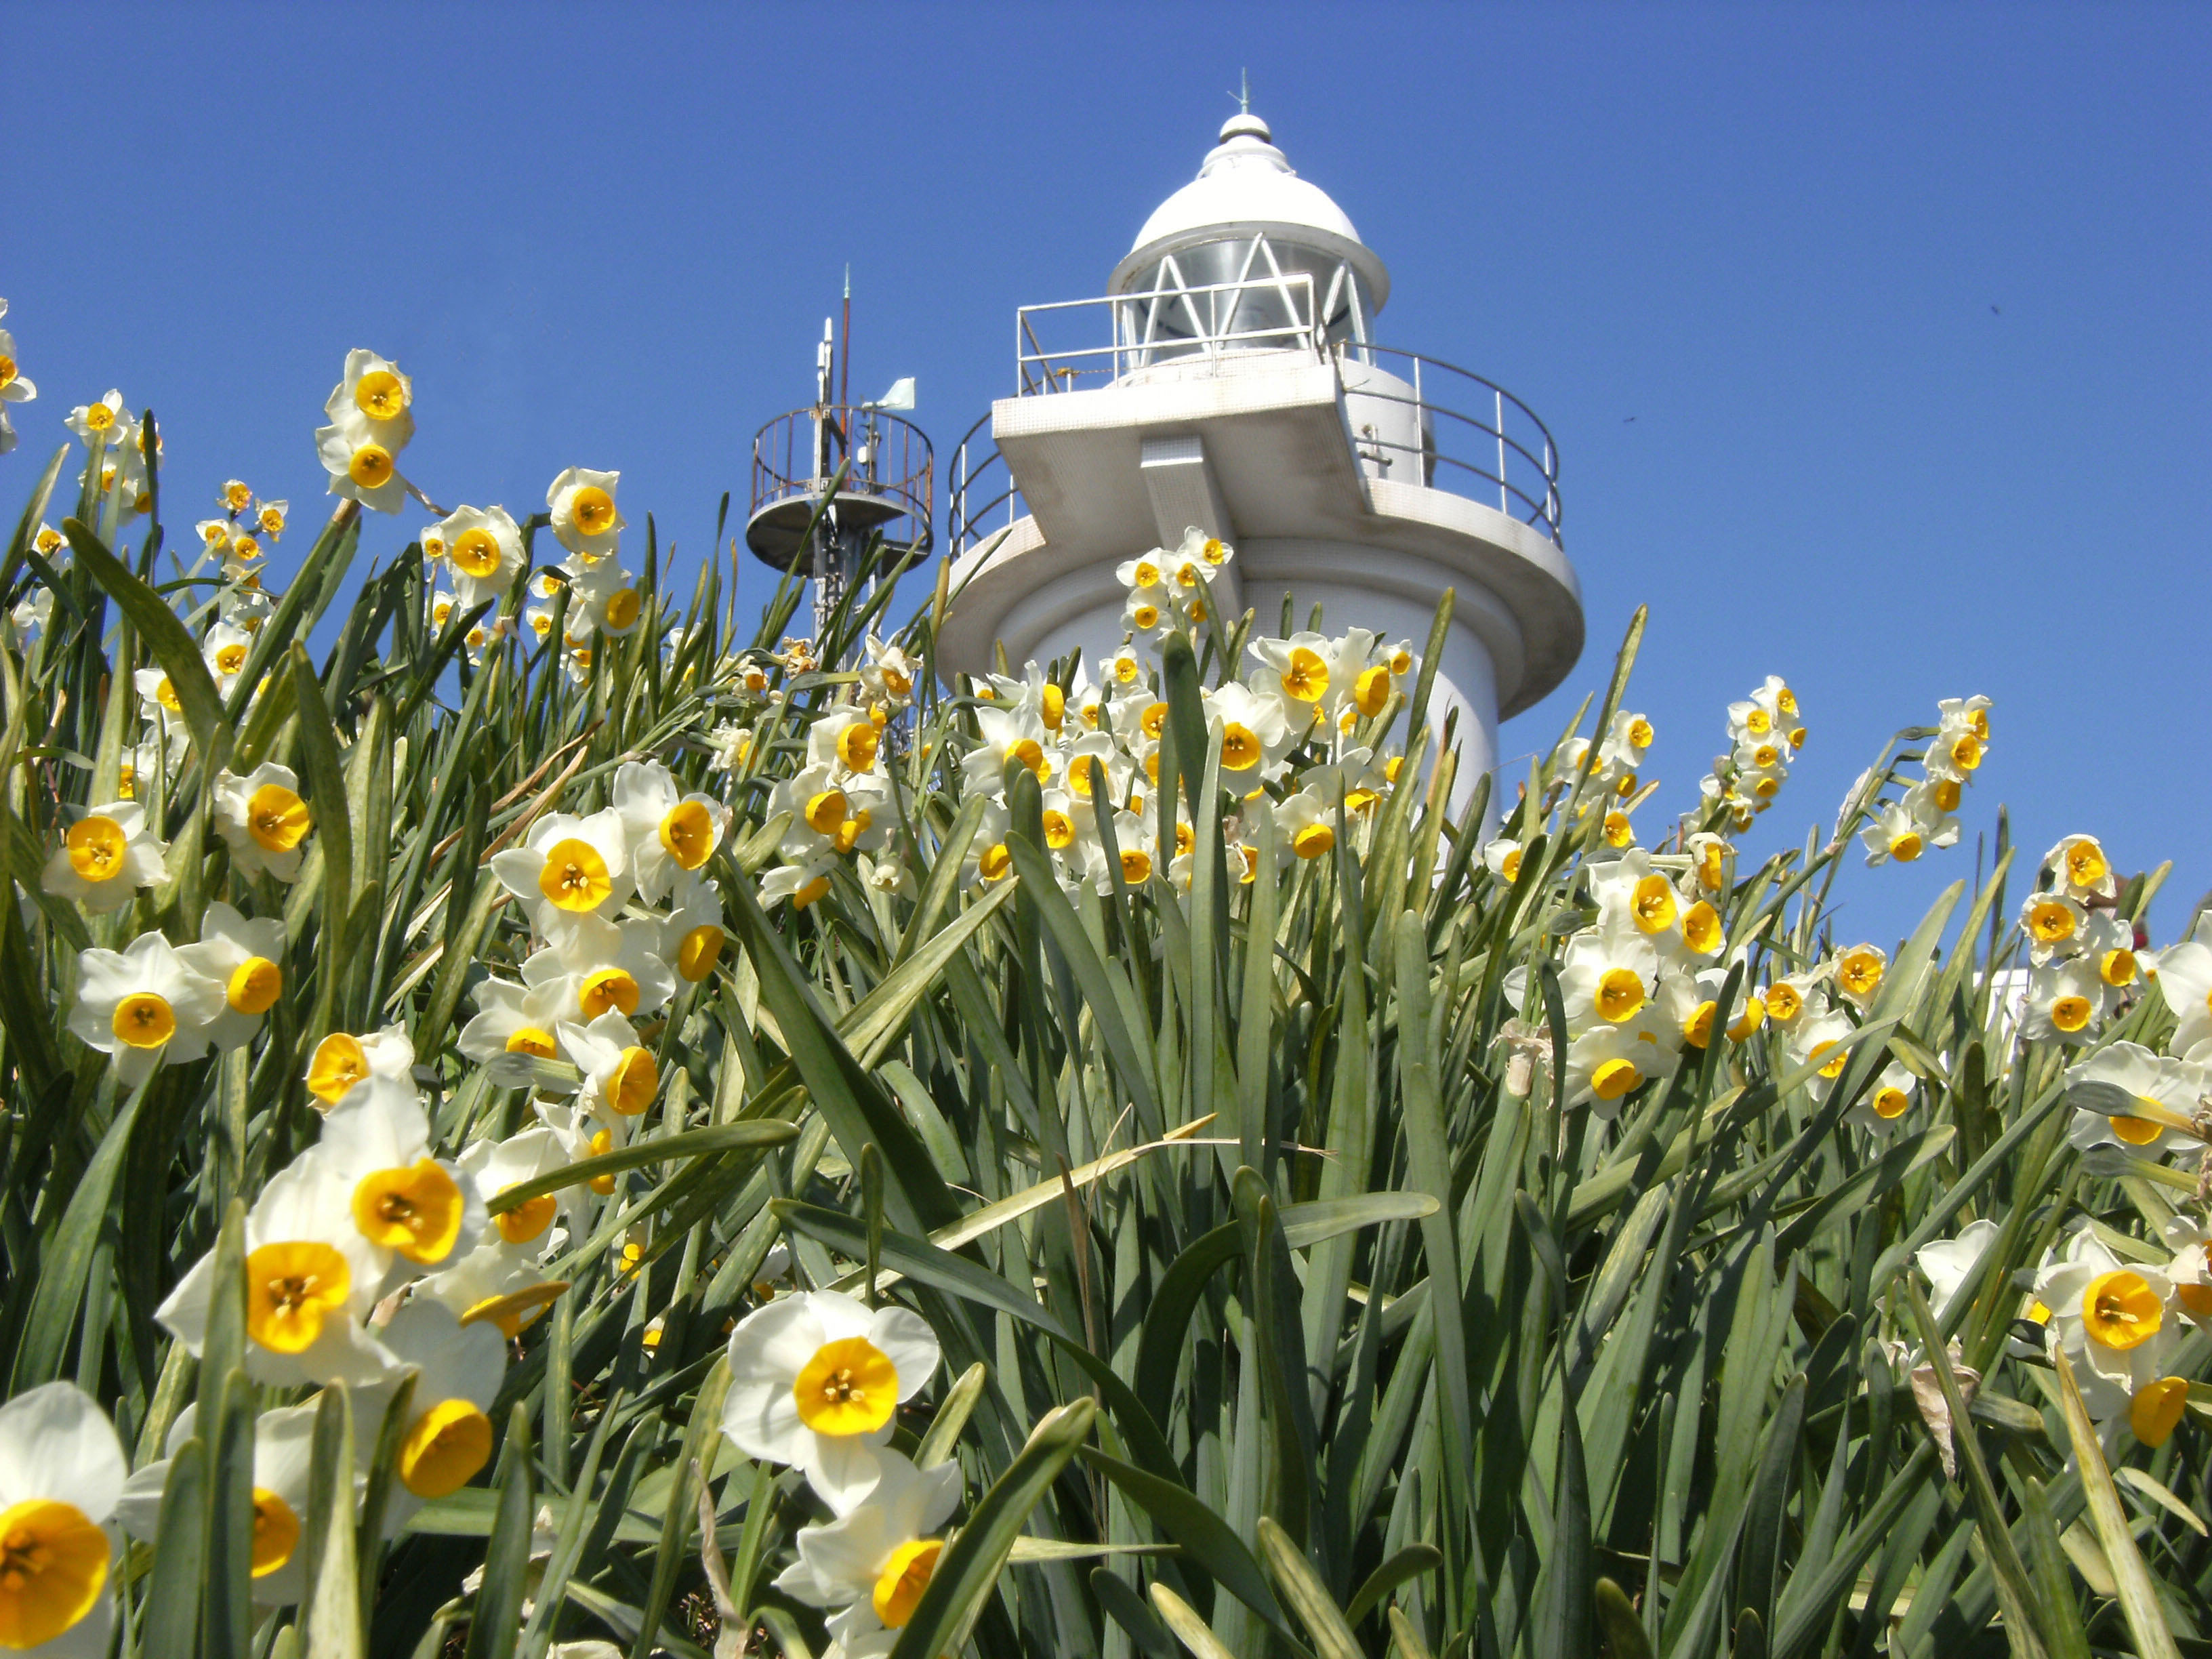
(1499, 400)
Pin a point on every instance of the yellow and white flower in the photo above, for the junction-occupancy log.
(2117, 1320)
(876, 1558)
(2176, 1085)
(1822, 1038)
(1606, 1062)
(814, 1376)
(1294, 673)
(692, 934)
(596, 965)
(621, 1077)
(2055, 925)
(573, 866)
(374, 394)
(1608, 974)
(482, 552)
(14, 387)
(283, 1444)
(848, 742)
(1254, 736)
(310, 1276)
(496, 1166)
(1883, 1107)
(671, 834)
(343, 1059)
(62, 1471)
(363, 464)
(262, 820)
(103, 422)
(447, 1437)
(1859, 973)
(584, 519)
(416, 1212)
(105, 858)
(144, 1005)
(2065, 1000)
(247, 959)
(2184, 981)
(2079, 869)
(604, 598)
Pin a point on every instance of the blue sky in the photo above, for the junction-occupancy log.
(1907, 305)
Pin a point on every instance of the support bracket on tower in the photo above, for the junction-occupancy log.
(1182, 488)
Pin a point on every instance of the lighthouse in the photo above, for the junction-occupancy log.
(1232, 378)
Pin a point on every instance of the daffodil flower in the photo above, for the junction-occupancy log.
(1254, 736)
(1858, 974)
(283, 1449)
(604, 599)
(29, 614)
(514, 1024)
(2080, 869)
(496, 1166)
(1883, 1107)
(692, 934)
(601, 965)
(107, 856)
(483, 552)
(373, 393)
(498, 1286)
(847, 742)
(362, 463)
(577, 865)
(1609, 973)
(1607, 1062)
(2116, 1320)
(310, 1276)
(826, 814)
(876, 1558)
(1822, 1038)
(103, 422)
(2065, 1000)
(1949, 1264)
(582, 503)
(1294, 673)
(343, 1059)
(62, 1470)
(15, 388)
(447, 1437)
(814, 1376)
(2184, 981)
(418, 1212)
(145, 1006)
(2175, 1085)
(671, 834)
(247, 959)
(621, 1077)
(806, 883)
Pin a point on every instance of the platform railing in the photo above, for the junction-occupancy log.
(797, 454)
(1483, 434)
(1160, 325)
(1475, 438)
(981, 498)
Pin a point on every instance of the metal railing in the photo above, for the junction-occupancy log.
(1165, 325)
(1474, 438)
(798, 453)
(981, 498)
(1511, 451)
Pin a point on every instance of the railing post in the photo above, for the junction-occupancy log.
(1498, 402)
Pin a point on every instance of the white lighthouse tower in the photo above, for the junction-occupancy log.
(1231, 378)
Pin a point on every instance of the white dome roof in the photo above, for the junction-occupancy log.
(1246, 185)
(1245, 180)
